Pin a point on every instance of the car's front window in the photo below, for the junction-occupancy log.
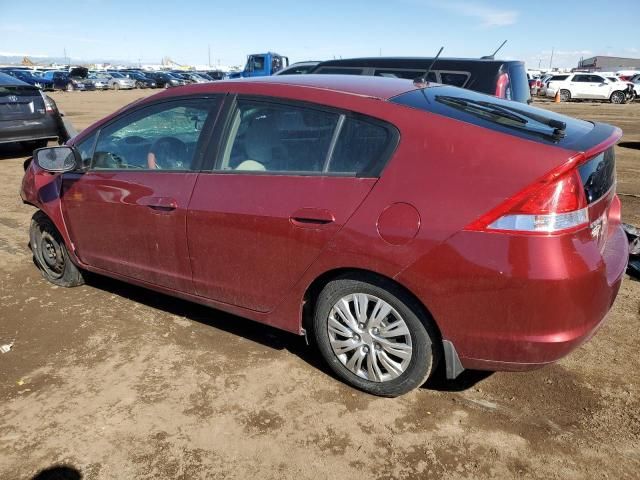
(160, 137)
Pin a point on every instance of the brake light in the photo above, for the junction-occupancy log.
(501, 85)
(49, 105)
(556, 203)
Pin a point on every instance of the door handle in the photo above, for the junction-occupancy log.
(160, 204)
(311, 217)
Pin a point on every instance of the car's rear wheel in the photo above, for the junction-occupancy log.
(618, 97)
(116, 86)
(50, 253)
(374, 336)
(565, 95)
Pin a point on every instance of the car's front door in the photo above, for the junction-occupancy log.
(287, 178)
(127, 211)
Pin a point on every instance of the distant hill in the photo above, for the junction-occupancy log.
(46, 61)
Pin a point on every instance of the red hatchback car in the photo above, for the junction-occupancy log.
(399, 224)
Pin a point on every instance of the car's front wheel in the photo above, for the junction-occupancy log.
(618, 97)
(565, 95)
(374, 336)
(50, 253)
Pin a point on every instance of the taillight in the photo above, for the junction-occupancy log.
(556, 203)
(501, 85)
(49, 105)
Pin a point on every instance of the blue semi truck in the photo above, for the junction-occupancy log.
(261, 65)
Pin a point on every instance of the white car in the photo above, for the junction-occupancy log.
(589, 86)
(636, 88)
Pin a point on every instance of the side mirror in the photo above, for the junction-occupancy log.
(57, 159)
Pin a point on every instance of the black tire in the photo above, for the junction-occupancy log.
(565, 96)
(424, 338)
(618, 97)
(50, 253)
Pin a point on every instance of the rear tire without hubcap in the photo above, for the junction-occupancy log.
(50, 253)
(374, 336)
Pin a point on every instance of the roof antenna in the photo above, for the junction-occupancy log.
(422, 80)
(493, 55)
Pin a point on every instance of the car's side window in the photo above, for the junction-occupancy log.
(361, 148)
(85, 148)
(274, 137)
(278, 138)
(164, 136)
(581, 78)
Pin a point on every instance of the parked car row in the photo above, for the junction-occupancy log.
(82, 79)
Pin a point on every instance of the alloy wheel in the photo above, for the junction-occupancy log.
(617, 97)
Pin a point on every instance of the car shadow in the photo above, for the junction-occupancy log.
(12, 150)
(58, 472)
(262, 334)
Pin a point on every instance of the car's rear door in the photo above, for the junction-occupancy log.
(287, 178)
(127, 213)
(598, 87)
(581, 86)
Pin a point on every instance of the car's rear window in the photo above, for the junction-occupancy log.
(339, 71)
(457, 79)
(492, 113)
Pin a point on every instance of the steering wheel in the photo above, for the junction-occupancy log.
(168, 153)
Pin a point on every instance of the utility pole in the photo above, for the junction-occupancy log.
(65, 56)
(551, 59)
(209, 49)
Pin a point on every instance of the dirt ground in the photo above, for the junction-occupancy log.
(115, 382)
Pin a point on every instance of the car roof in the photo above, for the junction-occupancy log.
(383, 62)
(377, 87)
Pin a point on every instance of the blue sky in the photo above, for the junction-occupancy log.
(322, 29)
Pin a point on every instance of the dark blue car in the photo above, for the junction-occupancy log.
(64, 81)
(28, 77)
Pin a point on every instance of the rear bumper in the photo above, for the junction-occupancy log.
(519, 303)
(46, 127)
